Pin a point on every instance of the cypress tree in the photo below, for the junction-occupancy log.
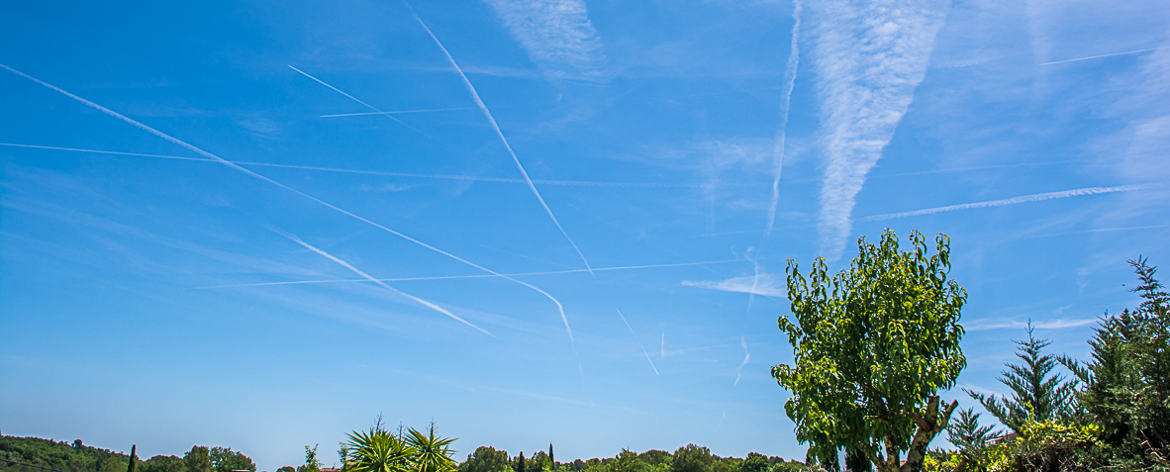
(520, 464)
(133, 450)
(551, 459)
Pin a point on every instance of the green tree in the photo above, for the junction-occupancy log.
(133, 457)
(692, 458)
(377, 450)
(431, 453)
(224, 459)
(626, 461)
(1126, 382)
(520, 462)
(287, 468)
(653, 457)
(966, 433)
(873, 345)
(312, 464)
(162, 463)
(855, 461)
(198, 459)
(112, 464)
(1036, 391)
(485, 459)
(755, 462)
(552, 460)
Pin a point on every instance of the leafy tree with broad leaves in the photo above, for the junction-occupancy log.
(224, 459)
(1037, 392)
(755, 462)
(287, 468)
(198, 459)
(430, 453)
(873, 345)
(692, 458)
(485, 459)
(377, 450)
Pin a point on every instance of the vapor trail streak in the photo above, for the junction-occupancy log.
(366, 276)
(782, 134)
(474, 276)
(746, 357)
(1037, 197)
(193, 148)
(631, 330)
(495, 126)
(755, 278)
(351, 97)
(343, 170)
(396, 112)
(1099, 56)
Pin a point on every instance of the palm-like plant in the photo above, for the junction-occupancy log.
(431, 453)
(377, 450)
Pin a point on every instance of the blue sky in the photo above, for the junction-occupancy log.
(194, 197)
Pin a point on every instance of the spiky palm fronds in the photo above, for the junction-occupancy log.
(377, 450)
(431, 453)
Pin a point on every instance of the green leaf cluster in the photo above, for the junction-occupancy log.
(873, 344)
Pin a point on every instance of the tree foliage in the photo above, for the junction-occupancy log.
(873, 344)
(485, 459)
(1126, 382)
(1037, 391)
(377, 450)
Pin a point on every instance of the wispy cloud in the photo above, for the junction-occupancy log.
(557, 35)
(755, 276)
(478, 276)
(380, 283)
(335, 208)
(499, 133)
(747, 356)
(1036, 197)
(640, 345)
(764, 285)
(1098, 56)
(1005, 324)
(343, 170)
(782, 133)
(870, 57)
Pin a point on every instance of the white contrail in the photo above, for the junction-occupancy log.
(755, 278)
(351, 97)
(495, 126)
(472, 276)
(193, 148)
(644, 353)
(746, 357)
(366, 276)
(343, 170)
(397, 112)
(786, 105)
(1036, 197)
(1099, 56)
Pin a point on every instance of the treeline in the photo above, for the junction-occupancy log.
(45, 455)
(689, 458)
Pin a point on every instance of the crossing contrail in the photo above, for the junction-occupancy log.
(351, 97)
(237, 167)
(472, 276)
(397, 112)
(366, 276)
(631, 330)
(344, 170)
(495, 126)
(1036, 197)
(782, 133)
